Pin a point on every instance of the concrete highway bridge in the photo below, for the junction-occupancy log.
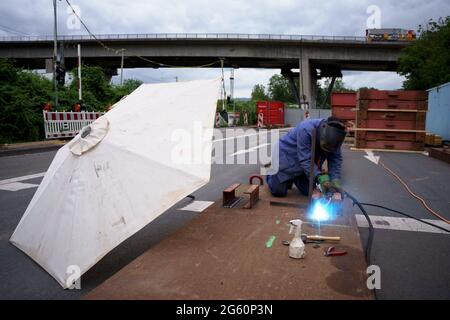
(314, 56)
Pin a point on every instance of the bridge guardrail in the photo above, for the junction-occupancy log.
(190, 36)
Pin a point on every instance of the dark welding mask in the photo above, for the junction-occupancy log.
(331, 135)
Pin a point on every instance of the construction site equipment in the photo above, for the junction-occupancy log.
(332, 252)
(343, 105)
(392, 34)
(321, 238)
(391, 120)
(272, 111)
(433, 140)
(67, 124)
(229, 199)
(236, 254)
(114, 178)
(253, 191)
(438, 116)
(233, 118)
(440, 153)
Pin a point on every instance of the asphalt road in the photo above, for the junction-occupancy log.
(414, 264)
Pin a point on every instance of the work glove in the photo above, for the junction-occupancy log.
(324, 181)
(338, 193)
(336, 184)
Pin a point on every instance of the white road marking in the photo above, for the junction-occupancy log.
(22, 178)
(249, 149)
(16, 186)
(371, 157)
(237, 137)
(249, 135)
(197, 206)
(401, 224)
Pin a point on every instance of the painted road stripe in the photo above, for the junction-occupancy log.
(401, 224)
(197, 206)
(249, 149)
(22, 178)
(249, 135)
(16, 186)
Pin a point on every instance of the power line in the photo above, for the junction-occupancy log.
(11, 30)
(160, 64)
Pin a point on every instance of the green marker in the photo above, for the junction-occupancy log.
(269, 242)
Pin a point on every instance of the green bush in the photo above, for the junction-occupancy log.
(24, 93)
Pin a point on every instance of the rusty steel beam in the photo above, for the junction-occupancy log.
(229, 199)
(253, 191)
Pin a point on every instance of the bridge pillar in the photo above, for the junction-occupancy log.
(109, 73)
(308, 83)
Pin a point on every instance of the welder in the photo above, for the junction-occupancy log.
(294, 151)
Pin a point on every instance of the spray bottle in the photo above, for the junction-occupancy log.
(296, 247)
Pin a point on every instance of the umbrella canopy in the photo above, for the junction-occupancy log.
(119, 174)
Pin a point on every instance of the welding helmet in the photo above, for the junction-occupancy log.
(331, 134)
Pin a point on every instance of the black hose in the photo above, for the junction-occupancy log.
(406, 215)
(371, 232)
(368, 249)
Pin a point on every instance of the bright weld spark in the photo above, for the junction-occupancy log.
(320, 212)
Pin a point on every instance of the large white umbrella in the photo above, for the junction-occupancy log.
(119, 174)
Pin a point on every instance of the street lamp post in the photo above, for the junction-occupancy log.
(55, 53)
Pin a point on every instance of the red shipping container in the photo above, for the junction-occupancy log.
(392, 145)
(273, 112)
(343, 99)
(342, 105)
(343, 113)
(373, 94)
(390, 135)
(392, 115)
(393, 104)
(390, 124)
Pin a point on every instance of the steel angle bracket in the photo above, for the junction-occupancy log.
(253, 191)
(229, 196)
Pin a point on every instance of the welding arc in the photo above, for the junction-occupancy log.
(413, 194)
(406, 215)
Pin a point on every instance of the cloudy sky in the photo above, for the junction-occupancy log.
(316, 17)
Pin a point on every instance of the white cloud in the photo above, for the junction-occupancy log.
(325, 17)
(380, 80)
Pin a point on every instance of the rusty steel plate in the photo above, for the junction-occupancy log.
(236, 253)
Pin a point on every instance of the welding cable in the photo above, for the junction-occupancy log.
(406, 215)
(413, 194)
(369, 243)
(371, 230)
(160, 64)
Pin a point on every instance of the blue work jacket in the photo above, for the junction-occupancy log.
(295, 153)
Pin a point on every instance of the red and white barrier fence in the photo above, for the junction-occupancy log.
(245, 119)
(67, 124)
(217, 120)
(260, 120)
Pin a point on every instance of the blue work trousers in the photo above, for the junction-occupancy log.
(280, 189)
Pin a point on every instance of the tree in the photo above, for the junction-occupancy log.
(426, 62)
(280, 89)
(97, 92)
(129, 85)
(23, 94)
(339, 86)
(259, 93)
